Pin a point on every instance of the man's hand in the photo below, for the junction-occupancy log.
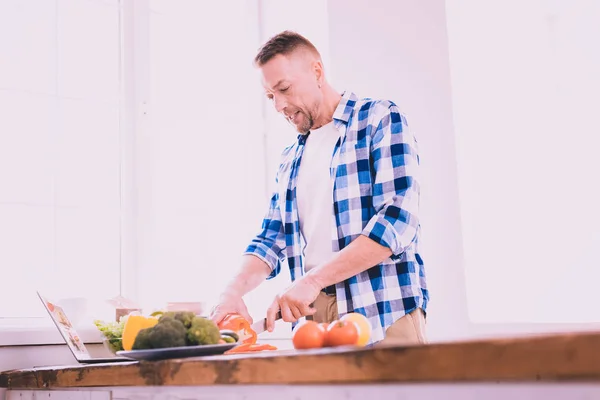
(252, 272)
(294, 302)
(230, 304)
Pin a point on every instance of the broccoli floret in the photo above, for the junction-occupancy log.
(203, 331)
(185, 317)
(168, 332)
(142, 340)
(167, 315)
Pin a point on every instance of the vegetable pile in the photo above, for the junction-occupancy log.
(173, 329)
(178, 329)
(184, 328)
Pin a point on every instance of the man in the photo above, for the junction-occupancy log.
(345, 212)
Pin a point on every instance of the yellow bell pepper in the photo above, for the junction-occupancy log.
(134, 324)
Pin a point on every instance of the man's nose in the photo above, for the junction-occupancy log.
(280, 104)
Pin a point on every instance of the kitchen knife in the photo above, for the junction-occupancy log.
(261, 325)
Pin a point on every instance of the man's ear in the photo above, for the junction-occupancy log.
(319, 72)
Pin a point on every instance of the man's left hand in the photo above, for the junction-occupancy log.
(294, 302)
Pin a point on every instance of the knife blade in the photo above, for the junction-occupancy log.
(261, 325)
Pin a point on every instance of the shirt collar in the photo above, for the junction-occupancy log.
(345, 106)
(342, 112)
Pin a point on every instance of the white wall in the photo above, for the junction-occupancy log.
(406, 61)
(526, 102)
(416, 75)
(400, 52)
(200, 172)
(175, 129)
(311, 20)
(519, 122)
(206, 145)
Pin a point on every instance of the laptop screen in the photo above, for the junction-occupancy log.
(66, 329)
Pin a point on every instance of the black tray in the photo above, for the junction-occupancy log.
(176, 352)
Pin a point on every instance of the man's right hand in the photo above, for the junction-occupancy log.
(230, 304)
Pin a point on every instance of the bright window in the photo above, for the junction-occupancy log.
(147, 115)
(59, 151)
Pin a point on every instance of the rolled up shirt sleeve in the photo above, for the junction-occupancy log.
(394, 157)
(269, 243)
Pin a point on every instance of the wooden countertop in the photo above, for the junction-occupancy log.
(564, 357)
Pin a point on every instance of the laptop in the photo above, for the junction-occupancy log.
(73, 340)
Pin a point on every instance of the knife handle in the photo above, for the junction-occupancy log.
(310, 317)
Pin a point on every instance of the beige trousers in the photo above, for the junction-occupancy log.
(408, 330)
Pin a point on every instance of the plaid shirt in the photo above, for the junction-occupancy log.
(374, 170)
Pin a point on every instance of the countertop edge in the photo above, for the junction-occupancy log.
(560, 357)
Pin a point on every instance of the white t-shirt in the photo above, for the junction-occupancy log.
(315, 195)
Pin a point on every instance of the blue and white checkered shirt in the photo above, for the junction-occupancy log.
(374, 170)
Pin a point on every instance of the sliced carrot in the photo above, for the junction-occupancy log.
(248, 348)
(241, 347)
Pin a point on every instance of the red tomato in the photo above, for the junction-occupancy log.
(308, 335)
(324, 325)
(342, 333)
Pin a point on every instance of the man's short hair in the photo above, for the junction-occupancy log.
(283, 43)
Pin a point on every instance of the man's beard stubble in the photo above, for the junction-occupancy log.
(307, 123)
